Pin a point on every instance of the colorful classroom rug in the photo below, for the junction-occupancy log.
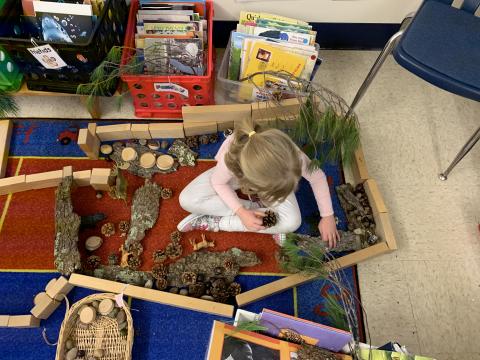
(161, 332)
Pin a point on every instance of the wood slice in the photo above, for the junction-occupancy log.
(165, 162)
(106, 305)
(129, 154)
(147, 160)
(153, 145)
(87, 315)
(106, 149)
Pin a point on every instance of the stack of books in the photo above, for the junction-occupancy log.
(68, 21)
(171, 37)
(265, 44)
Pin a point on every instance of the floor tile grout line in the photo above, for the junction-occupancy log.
(411, 308)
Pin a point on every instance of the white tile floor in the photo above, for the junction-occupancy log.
(426, 295)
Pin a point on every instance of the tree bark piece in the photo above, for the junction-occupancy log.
(67, 225)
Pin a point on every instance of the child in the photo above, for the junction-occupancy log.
(262, 163)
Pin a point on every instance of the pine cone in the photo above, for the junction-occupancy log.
(159, 271)
(175, 237)
(159, 256)
(192, 142)
(220, 294)
(196, 290)
(135, 249)
(311, 352)
(161, 283)
(234, 289)
(113, 259)
(108, 229)
(166, 193)
(229, 264)
(291, 336)
(213, 138)
(188, 278)
(93, 262)
(123, 227)
(219, 284)
(174, 251)
(270, 219)
(204, 140)
(134, 262)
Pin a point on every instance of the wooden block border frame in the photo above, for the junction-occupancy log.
(161, 297)
(383, 227)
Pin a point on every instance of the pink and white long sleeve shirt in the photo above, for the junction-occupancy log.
(221, 177)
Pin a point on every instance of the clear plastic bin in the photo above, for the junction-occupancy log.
(229, 91)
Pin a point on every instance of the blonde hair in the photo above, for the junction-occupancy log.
(265, 161)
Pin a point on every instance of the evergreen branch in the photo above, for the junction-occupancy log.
(8, 105)
(247, 326)
(336, 313)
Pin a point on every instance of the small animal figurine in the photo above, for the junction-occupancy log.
(202, 244)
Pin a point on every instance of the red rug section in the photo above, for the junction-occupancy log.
(28, 230)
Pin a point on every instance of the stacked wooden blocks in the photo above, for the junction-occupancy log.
(45, 303)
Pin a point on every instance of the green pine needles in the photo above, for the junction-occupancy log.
(302, 255)
(323, 134)
(8, 105)
(336, 312)
(105, 76)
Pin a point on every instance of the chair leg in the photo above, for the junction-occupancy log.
(391, 43)
(461, 154)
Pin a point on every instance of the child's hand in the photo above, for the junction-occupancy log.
(252, 220)
(328, 230)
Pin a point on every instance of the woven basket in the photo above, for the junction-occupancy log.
(102, 333)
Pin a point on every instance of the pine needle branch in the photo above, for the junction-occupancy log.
(8, 105)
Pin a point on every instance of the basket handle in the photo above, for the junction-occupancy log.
(44, 331)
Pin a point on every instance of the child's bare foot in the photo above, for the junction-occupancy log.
(199, 222)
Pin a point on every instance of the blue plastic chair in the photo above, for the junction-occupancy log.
(440, 44)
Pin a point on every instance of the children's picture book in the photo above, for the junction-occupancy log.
(375, 354)
(62, 8)
(65, 27)
(280, 325)
(293, 37)
(226, 343)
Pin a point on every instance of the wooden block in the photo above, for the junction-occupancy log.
(218, 113)
(114, 132)
(286, 109)
(359, 167)
(13, 184)
(157, 296)
(44, 307)
(5, 135)
(100, 179)
(82, 178)
(4, 320)
(290, 281)
(166, 130)
(140, 131)
(67, 171)
(374, 196)
(200, 128)
(88, 141)
(61, 286)
(385, 231)
(44, 180)
(23, 321)
(225, 125)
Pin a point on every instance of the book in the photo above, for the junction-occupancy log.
(173, 56)
(312, 333)
(251, 17)
(226, 343)
(62, 8)
(293, 37)
(67, 28)
(376, 354)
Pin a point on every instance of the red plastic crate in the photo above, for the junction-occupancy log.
(149, 102)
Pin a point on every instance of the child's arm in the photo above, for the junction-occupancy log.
(319, 184)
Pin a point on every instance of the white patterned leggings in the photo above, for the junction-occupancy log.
(199, 197)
